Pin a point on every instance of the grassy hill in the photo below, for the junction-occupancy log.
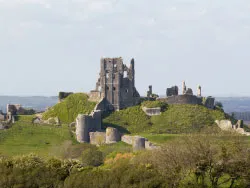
(69, 108)
(176, 119)
(24, 137)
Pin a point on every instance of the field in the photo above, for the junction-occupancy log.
(24, 138)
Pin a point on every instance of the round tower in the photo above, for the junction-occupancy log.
(82, 130)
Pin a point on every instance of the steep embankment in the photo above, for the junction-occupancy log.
(175, 119)
(68, 109)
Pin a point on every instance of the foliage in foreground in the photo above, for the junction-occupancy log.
(194, 161)
(68, 109)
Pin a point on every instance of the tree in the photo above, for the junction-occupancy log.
(92, 157)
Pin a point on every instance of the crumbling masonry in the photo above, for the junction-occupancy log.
(116, 85)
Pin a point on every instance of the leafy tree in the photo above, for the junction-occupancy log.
(92, 157)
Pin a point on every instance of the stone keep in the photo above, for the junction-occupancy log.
(117, 84)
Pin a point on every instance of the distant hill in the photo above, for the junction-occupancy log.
(239, 106)
(235, 104)
(39, 103)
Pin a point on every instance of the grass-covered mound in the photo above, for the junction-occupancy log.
(129, 120)
(176, 119)
(185, 119)
(68, 109)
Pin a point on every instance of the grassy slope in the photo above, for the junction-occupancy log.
(47, 140)
(176, 119)
(185, 119)
(68, 110)
(23, 138)
(130, 120)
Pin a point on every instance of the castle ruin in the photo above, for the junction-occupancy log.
(116, 85)
(187, 97)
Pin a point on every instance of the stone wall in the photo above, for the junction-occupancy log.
(152, 111)
(86, 124)
(100, 105)
(184, 99)
(97, 138)
(210, 102)
(172, 91)
(226, 125)
(2, 117)
(95, 96)
(112, 135)
(13, 108)
(138, 142)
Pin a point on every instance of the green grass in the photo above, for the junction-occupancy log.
(185, 119)
(24, 118)
(24, 138)
(160, 138)
(154, 104)
(68, 109)
(112, 149)
(176, 119)
(130, 120)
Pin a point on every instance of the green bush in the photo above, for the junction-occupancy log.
(92, 157)
(195, 160)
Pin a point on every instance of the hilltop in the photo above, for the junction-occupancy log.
(69, 108)
(175, 119)
(180, 118)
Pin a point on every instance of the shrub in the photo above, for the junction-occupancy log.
(92, 157)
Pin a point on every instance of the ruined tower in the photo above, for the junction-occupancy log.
(117, 84)
(199, 91)
(150, 91)
(184, 88)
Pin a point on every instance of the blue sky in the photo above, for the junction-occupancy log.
(47, 46)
